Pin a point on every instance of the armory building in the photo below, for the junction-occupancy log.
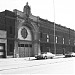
(23, 34)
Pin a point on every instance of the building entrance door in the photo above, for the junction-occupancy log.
(25, 50)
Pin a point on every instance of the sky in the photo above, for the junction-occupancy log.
(64, 10)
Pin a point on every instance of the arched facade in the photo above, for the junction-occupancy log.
(26, 35)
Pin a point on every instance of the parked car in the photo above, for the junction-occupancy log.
(70, 54)
(45, 55)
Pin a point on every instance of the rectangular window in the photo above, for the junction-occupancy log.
(21, 45)
(26, 45)
(56, 39)
(1, 47)
(63, 40)
(47, 38)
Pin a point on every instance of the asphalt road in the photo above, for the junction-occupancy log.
(49, 66)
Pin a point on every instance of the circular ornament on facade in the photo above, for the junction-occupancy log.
(24, 33)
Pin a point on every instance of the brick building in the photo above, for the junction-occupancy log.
(28, 35)
(7, 24)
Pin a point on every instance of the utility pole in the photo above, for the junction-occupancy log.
(54, 28)
(29, 52)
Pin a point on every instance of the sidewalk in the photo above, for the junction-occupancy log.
(26, 58)
(59, 56)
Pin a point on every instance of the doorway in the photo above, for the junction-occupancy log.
(25, 50)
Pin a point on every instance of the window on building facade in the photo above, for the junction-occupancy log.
(26, 45)
(56, 39)
(69, 41)
(21, 45)
(47, 38)
(63, 40)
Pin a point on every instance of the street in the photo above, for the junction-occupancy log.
(48, 66)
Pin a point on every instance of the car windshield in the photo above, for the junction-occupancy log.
(43, 52)
(49, 52)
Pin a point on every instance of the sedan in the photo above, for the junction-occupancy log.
(45, 55)
(70, 54)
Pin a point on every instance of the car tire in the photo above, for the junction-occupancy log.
(37, 58)
(51, 57)
(45, 57)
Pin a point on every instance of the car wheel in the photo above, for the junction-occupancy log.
(37, 58)
(45, 57)
(51, 57)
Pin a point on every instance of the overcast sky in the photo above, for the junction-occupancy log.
(64, 9)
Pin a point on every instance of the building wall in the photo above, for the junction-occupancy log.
(47, 28)
(2, 21)
(3, 44)
(10, 28)
(8, 24)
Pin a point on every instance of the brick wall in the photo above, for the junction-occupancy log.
(61, 32)
(9, 22)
